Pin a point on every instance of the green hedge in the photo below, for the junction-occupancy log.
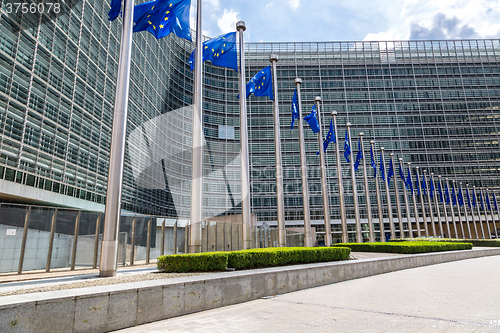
(474, 242)
(255, 258)
(406, 247)
(194, 262)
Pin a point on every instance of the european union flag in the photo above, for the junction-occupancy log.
(488, 201)
(116, 6)
(409, 183)
(481, 198)
(495, 201)
(431, 188)
(329, 137)
(417, 185)
(162, 17)
(440, 191)
(382, 168)
(262, 84)
(347, 148)
(446, 194)
(424, 186)
(460, 197)
(453, 196)
(390, 173)
(374, 165)
(295, 112)
(468, 198)
(312, 120)
(359, 156)
(474, 198)
(220, 51)
(402, 175)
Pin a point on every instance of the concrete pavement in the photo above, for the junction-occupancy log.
(460, 296)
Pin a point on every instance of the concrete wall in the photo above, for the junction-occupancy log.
(112, 307)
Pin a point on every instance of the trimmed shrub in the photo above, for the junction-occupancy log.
(406, 247)
(193, 262)
(268, 257)
(474, 242)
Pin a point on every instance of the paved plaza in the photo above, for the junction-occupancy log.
(461, 296)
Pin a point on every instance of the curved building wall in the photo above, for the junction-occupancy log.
(433, 103)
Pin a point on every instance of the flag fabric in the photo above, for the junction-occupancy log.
(424, 184)
(347, 148)
(116, 6)
(446, 193)
(295, 109)
(460, 197)
(312, 120)
(440, 191)
(374, 165)
(481, 198)
(220, 51)
(359, 156)
(261, 85)
(409, 183)
(162, 17)
(474, 198)
(329, 137)
(390, 173)
(431, 187)
(453, 196)
(495, 201)
(488, 201)
(469, 203)
(417, 185)
(402, 175)
(382, 168)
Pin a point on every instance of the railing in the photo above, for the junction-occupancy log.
(44, 238)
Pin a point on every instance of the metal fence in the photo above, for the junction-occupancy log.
(44, 238)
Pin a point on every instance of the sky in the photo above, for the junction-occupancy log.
(351, 20)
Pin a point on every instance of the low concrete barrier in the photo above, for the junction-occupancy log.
(112, 307)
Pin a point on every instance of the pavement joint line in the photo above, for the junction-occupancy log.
(382, 312)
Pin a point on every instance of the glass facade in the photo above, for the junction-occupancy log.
(432, 103)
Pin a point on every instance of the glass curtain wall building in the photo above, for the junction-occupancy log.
(432, 103)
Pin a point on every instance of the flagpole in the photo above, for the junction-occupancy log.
(415, 210)
(424, 216)
(485, 213)
(452, 212)
(447, 220)
(479, 215)
(430, 205)
(498, 212)
(303, 170)
(458, 210)
(407, 206)
(343, 219)
(197, 150)
(492, 216)
(359, 238)
(465, 212)
(438, 213)
(379, 202)
(367, 192)
(388, 197)
(277, 154)
(109, 247)
(245, 165)
(398, 202)
(472, 213)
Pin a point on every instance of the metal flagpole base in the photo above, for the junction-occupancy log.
(109, 250)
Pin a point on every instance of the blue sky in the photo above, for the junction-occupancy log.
(352, 20)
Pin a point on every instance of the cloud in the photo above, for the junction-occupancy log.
(294, 4)
(227, 22)
(391, 34)
(443, 27)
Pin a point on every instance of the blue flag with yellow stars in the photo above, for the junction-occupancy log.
(162, 17)
(347, 148)
(481, 198)
(440, 191)
(460, 197)
(488, 201)
(295, 110)
(402, 175)
(221, 51)
(474, 198)
(116, 6)
(495, 201)
(424, 186)
(446, 194)
(417, 185)
(468, 198)
(261, 84)
(329, 137)
(390, 173)
(453, 196)
(312, 120)
(382, 168)
(408, 181)
(431, 187)
(374, 165)
(359, 156)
